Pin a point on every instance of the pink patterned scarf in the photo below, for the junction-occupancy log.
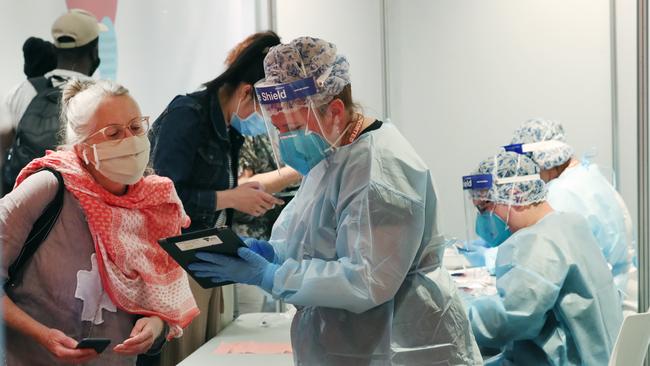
(138, 275)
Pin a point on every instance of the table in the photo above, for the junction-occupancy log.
(470, 281)
(257, 327)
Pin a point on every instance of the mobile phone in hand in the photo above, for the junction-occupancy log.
(98, 344)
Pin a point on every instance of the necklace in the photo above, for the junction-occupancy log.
(356, 130)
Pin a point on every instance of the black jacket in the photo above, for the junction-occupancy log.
(190, 144)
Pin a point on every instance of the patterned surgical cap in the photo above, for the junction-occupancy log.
(538, 130)
(308, 57)
(511, 165)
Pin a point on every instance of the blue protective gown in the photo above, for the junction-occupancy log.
(354, 244)
(584, 190)
(557, 303)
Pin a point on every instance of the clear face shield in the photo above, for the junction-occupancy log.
(298, 134)
(547, 154)
(484, 226)
(528, 149)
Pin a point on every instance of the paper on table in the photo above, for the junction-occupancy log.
(475, 281)
(259, 348)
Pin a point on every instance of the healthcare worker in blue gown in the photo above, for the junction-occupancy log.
(557, 303)
(580, 187)
(352, 248)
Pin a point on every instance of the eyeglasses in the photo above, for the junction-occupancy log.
(138, 127)
(483, 206)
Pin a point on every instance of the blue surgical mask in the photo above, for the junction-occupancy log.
(492, 229)
(302, 151)
(252, 125)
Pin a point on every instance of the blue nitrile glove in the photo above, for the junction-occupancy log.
(261, 247)
(250, 268)
(474, 251)
(479, 255)
(479, 243)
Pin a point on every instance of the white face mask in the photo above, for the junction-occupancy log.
(123, 161)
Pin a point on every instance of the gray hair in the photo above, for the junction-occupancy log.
(79, 100)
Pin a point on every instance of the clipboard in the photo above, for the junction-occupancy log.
(183, 249)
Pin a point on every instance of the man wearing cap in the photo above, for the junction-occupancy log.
(76, 37)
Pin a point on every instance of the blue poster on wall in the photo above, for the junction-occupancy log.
(105, 11)
(108, 51)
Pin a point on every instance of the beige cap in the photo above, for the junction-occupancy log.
(79, 25)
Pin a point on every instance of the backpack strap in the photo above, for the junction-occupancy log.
(40, 83)
(40, 230)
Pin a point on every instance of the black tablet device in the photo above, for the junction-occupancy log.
(183, 249)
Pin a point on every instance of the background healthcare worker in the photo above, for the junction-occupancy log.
(557, 303)
(351, 248)
(579, 187)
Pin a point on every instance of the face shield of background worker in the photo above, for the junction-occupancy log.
(556, 302)
(350, 250)
(580, 187)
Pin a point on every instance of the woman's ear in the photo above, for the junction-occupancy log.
(247, 91)
(79, 149)
(336, 111)
(336, 108)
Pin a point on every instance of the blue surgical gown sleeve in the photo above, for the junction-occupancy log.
(530, 273)
(378, 233)
(281, 233)
(604, 213)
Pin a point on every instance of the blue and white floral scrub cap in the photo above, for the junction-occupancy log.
(301, 78)
(513, 180)
(546, 142)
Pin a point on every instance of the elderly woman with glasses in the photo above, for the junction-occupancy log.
(99, 273)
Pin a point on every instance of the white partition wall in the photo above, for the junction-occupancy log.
(465, 74)
(626, 58)
(355, 28)
(174, 46)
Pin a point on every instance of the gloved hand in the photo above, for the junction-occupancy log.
(261, 247)
(474, 251)
(479, 243)
(479, 254)
(250, 268)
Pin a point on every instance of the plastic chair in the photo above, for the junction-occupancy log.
(632, 342)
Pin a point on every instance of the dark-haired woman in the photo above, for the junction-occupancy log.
(196, 143)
